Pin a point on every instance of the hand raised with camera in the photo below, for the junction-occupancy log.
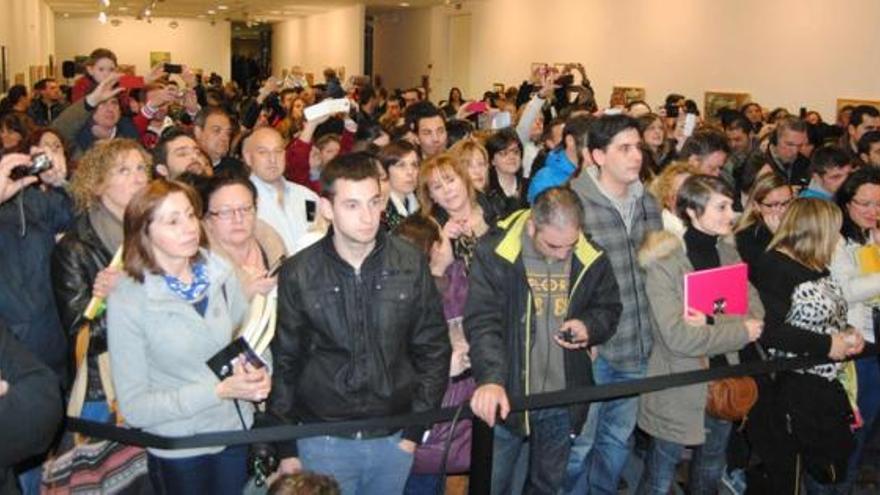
(9, 187)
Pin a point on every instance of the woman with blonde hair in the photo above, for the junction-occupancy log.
(803, 419)
(108, 176)
(447, 195)
(665, 188)
(767, 203)
(475, 157)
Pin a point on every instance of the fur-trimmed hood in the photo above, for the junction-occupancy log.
(659, 245)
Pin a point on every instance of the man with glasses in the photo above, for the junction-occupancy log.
(287, 207)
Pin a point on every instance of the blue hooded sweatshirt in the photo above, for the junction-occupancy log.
(556, 172)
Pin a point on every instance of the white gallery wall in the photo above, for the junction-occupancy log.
(194, 42)
(27, 30)
(783, 52)
(330, 39)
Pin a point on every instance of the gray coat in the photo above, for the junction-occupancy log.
(629, 348)
(158, 348)
(676, 414)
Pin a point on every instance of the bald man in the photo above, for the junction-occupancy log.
(288, 207)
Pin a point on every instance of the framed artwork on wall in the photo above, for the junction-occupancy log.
(157, 58)
(716, 100)
(842, 102)
(624, 95)
(498, 88)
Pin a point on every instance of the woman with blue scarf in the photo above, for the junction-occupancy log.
(178, 306)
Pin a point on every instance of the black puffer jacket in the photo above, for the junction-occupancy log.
(76, 261)
(357, 344)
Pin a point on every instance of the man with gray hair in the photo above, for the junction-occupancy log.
(540, 294)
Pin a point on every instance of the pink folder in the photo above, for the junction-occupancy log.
(722, 290)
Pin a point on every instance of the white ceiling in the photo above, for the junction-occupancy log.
(236, 10)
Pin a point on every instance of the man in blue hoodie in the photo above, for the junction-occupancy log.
(566, 160)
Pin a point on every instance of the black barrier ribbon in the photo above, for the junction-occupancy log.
(594, 393)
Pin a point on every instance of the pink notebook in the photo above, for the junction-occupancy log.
(722, 290)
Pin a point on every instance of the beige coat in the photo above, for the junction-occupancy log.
(269, 240)
(677, 414)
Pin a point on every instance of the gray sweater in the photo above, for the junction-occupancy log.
(158, 348)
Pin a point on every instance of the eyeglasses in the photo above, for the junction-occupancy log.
(866, 204)
(227, 214)
(779, 205)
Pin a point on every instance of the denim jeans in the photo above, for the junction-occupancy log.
(599, 453)
(221, 473)
(548, 447)
(368, 466)
(707, 464)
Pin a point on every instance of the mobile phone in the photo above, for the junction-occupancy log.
(311, 208)
(173, 68)
(566, 336)
(131, 82)
(690, 123)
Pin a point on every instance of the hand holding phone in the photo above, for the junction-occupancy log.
(173, 68)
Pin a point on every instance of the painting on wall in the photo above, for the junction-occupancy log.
(842, 102)
(498, 88)
(157, 58)
(624, 95)
(716, 100)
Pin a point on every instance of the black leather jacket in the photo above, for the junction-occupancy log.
(76, 261)
(357, 344)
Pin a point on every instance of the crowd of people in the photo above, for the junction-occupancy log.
(422, 254)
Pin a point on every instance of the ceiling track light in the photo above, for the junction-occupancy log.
(102, 17)
(105, 3)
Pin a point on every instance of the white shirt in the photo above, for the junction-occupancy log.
(399, 205)
(289, 216)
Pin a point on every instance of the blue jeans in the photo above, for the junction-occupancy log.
(548, 447)
(423, 484)
(707, 464)
(599, 453)
(375, 465)
(221, 473)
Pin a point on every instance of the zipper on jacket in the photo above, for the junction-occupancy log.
(528, 350)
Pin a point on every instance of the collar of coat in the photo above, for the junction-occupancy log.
(510, 246)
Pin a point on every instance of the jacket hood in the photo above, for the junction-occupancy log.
(558, 160)
(658, 246)
(510, 247)
(587, 186)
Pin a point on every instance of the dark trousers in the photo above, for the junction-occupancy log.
(548, 446)
(221, 473)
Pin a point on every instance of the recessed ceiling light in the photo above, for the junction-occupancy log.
(201, 16)
(275, 12)
(123, 8)
(222, 7)
(212, 12)
(404, 4)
